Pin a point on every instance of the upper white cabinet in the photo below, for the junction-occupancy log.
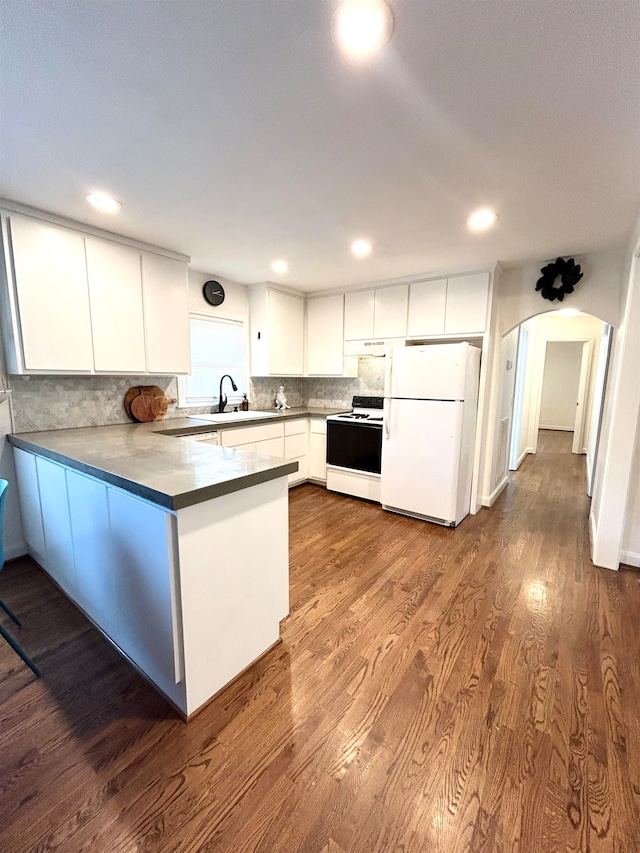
(453, 306)
(466, 303)
(359, 307)
(390, 312)
(427, 302)
(325, 336)
(166, 314)
(74, 302)
(117, 321)
(52, 295)
(276, 321)
(380, 313)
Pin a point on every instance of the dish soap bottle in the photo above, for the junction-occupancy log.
(244, 405)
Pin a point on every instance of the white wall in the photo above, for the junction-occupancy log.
(236, 302)
(598, 293)
(560, 381)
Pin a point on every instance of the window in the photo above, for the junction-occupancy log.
(217, 347)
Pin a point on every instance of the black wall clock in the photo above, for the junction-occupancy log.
(213, 292)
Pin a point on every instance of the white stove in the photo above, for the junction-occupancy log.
(354, 449)
(367, 409)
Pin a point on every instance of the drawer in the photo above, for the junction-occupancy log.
(318, 426)
(295, 446)
(296, 427)
(246, 435)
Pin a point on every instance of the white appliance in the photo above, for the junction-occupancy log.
(354, 449)
(431, 400)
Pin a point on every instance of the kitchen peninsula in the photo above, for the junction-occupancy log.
(177, 550)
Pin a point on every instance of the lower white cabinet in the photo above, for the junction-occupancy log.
(288, 440)
(52, 482)
(29, 498)
(296, 447)
(97, 592)
(180, 593)
(318, 449)
(145, 578)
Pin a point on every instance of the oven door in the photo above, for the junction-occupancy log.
(354, 445)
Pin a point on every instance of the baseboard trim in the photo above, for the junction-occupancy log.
(562, 428)
(630, 558)
(495, 494)
(522, 457)
(592, 535)
(12, 552)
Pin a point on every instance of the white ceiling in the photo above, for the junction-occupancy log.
(233, 131)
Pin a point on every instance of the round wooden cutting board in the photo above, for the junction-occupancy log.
(146, 403)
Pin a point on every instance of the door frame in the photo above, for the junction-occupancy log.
(583, 385)
(522, 363)
(581, 404)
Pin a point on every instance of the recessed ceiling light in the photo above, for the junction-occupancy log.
(482, 219)
(361, 248)
(280, 267)
(104, 202)
(568, 312)
(362, 26)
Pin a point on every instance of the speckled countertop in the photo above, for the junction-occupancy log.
(153, 462)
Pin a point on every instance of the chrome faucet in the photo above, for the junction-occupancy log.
(222, 401)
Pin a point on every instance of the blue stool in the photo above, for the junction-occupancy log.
(3, 633)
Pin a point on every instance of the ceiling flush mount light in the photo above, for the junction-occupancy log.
(568, 312)
(104, 202)
(361, 248)
(362, 27)
(280, 267)
(482, 219)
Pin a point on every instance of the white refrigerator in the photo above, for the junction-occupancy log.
(430, 406)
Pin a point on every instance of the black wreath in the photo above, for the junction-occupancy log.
(570, 275)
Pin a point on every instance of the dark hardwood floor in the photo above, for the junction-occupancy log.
(437, 690)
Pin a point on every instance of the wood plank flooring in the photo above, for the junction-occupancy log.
(437, 690)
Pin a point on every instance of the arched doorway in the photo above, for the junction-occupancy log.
(553, 370)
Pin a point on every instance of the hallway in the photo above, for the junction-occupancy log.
(437, 691)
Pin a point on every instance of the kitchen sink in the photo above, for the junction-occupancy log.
(220, 417)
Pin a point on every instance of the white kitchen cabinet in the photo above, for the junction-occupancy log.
(427, 305)
(390, 311)
(466, 304)
(50, 278)
(144, 576)
(276, 322)
(238, 436)
(94, 559)
(359, 307)
(166, 314)
(296, 448)
(325, 336)
(117, 320)
(318, 450)
(29, 497)
(60, 563)
(76, 302)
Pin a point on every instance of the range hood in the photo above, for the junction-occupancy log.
(372, 346)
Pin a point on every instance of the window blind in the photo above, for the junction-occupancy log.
(217, 347)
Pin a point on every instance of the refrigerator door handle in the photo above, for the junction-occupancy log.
(388, 373)
(387, 418)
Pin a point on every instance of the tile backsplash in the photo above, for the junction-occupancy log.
(63, 402)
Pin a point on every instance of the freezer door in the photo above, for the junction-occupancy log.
(421, 457)
(429, 372)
